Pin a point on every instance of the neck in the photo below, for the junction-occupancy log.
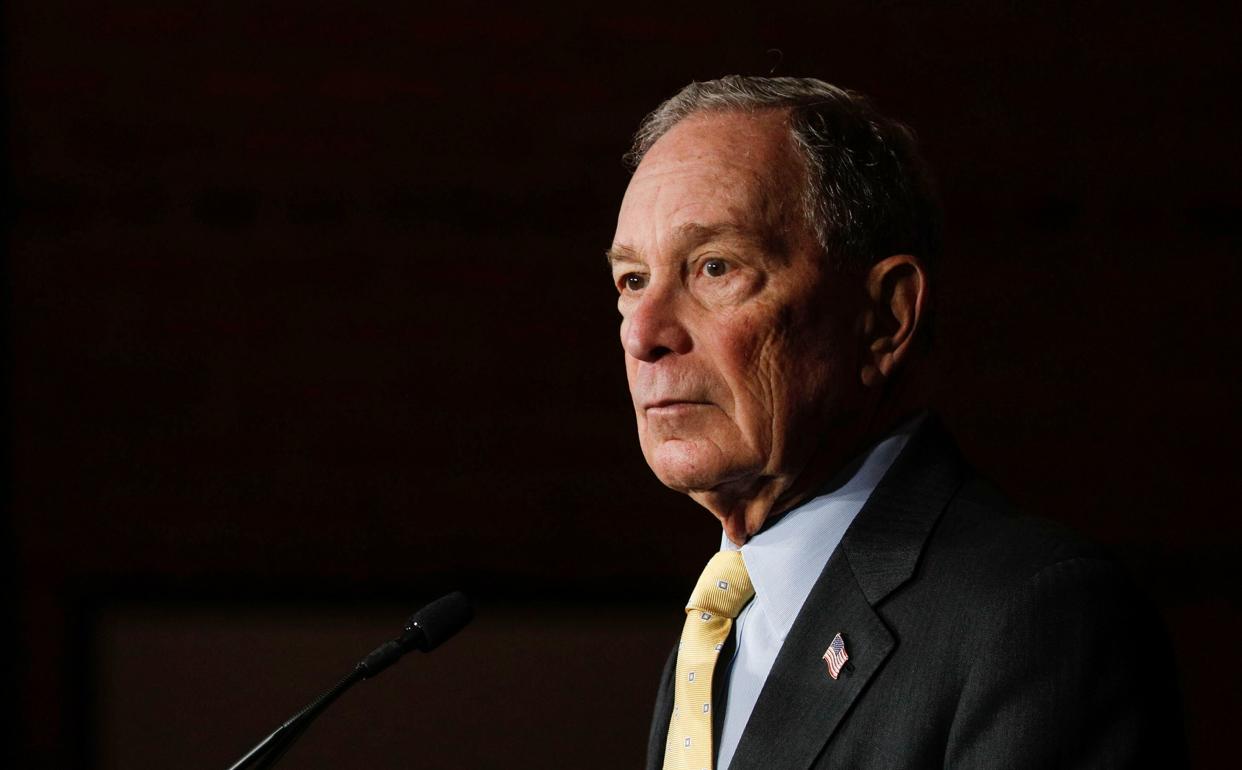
(744, 507)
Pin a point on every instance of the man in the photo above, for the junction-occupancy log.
(775, 259)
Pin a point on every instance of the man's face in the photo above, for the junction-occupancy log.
(737, 338)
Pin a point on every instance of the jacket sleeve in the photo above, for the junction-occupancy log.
(1074, 670)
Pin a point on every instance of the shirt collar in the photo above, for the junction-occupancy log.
(785, 559)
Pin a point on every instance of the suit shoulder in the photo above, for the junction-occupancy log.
(983, 533)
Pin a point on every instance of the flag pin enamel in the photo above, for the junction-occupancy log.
(836, 656)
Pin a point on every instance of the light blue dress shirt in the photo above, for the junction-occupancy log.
(783, 562)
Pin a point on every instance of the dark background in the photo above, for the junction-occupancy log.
(309, 321)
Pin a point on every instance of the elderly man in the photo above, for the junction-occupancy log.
(874, 603)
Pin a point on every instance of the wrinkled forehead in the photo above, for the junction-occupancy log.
(732, 169)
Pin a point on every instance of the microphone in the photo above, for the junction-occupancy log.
(425, 630)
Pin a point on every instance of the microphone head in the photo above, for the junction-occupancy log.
(428, 628)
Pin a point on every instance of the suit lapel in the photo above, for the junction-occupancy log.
(801, 706)
(663, 710)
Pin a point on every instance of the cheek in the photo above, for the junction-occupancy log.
(752, 363)
(631, 374)
(758, 356)
(781, 369)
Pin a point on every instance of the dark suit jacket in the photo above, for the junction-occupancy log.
(977, 639)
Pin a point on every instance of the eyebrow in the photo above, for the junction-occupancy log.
(693, 234)
(688, 236)
(619, 252)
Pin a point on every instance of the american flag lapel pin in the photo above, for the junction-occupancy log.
(835, 656)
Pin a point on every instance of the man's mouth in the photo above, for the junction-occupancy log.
(673, 405)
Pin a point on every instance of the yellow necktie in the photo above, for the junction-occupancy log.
(723, 589)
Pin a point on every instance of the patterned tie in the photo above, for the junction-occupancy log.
(723, 589)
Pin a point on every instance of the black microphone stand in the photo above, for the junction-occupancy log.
(424, 630)
(273, 747)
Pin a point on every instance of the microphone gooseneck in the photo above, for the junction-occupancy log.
(424, 631)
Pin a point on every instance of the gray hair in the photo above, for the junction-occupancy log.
(868, 193)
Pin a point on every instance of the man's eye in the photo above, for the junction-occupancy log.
(715, 267)
(633, 282)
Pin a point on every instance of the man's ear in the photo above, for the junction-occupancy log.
(897, 295)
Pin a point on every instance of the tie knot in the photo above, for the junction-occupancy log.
(724, 587)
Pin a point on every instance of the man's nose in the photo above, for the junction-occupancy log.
(654, 327)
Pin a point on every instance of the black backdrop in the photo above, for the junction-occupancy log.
(309, 321)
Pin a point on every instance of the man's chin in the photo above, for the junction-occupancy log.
(689, 466)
